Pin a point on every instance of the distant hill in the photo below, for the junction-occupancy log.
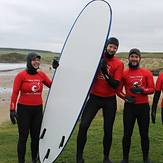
(10, 55)
(144, 54)
(151, 60)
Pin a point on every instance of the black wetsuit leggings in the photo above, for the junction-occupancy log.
(133, 112)
(29, 121)
(109, 106)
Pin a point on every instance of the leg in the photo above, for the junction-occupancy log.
(35, 126)
(23, 129)
(89, 113)
(143, 123)
(109, 111)
(128, 125)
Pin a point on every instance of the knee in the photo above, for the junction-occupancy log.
(83, 126)
(22, 139)
(144, 137)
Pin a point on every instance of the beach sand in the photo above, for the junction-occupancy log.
(6, 84)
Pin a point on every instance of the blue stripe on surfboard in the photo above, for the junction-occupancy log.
(110, 18)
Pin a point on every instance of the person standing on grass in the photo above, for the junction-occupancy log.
(102, 96)
(27, 95)
(138, 83)
(158, 89)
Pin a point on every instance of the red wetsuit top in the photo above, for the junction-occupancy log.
(100, 86)
(143, 78)
(29, 88)
(159, 85)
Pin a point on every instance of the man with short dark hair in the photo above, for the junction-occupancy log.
(138, 83)
(102, 95)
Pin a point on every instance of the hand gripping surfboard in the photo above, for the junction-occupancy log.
(79, 61)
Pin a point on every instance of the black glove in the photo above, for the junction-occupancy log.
(103, 67)
(129, 99)
(153, 116)
(137, 90)
(55, 64)
(13, 116)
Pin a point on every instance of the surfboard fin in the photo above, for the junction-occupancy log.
(43, 133)
(62, 142)
(47, 155)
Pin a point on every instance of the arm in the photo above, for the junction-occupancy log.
(14, 96)
(122, 95)
(112, 81)
(46, 80)
(150, 85)
(149, 89)
(154, 105)
(15, 92)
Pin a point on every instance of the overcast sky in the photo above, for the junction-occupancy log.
(44, 24)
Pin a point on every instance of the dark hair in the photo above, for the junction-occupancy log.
(135, 51)
(112, 40)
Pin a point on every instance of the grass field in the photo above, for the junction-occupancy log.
(93, 148)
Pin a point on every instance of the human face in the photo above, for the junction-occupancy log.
(111, 49)
(35, 63)
(134, 60)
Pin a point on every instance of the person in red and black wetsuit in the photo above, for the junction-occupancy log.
(27, 95)
(103, 95)
(158, 89)
(138, 83)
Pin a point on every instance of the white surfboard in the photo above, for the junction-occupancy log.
(81, 55)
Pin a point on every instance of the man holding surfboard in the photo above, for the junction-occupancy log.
(102, 95)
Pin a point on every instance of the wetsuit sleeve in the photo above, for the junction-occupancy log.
(121, 94)
(157, 93)
(115, 81)
(46, 80)
(155, 100)
(16, 88)
(119, 90)
(150, 85)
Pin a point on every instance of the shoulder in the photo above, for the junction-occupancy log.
(146, 72)
(42, 74)
(161, 74)
(22, 73)
(126, 71)
(160, 77)
(116, 63)
(116, 59)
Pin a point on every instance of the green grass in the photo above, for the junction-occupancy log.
(93, 148)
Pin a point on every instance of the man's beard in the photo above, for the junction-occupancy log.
(109, 54)
(133, 66)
